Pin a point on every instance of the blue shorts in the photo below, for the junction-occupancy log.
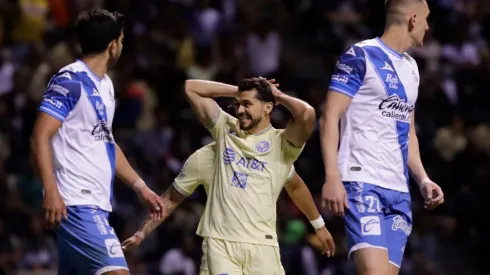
(87, 244)
(378, 217)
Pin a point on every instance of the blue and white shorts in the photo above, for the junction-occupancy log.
(379, 218)
(87, 244)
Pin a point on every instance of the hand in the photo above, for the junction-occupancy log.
(432, 194)
(131, 243)
(54, 209)
(334, 197)
(328, 245)
(274, 88)
(153, 202)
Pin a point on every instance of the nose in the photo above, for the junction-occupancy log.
(240, 109)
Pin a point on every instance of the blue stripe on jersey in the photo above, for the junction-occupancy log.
(349, 72)
(388, 77)
(101, 114)
(60, 97)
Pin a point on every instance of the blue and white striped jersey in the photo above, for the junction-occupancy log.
(383, 85)
(83, 148)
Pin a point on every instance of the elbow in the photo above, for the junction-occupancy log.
(309, 115)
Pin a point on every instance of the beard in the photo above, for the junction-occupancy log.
(247, 122)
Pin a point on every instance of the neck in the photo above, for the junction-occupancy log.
(264, 124)
(397, 38)
(97, 64)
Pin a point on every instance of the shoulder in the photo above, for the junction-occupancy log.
(207, 152)
(65, 84)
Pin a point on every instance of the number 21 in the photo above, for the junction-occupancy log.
(374, 205)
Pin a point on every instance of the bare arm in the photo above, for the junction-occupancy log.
(300, 127)
(171, 200)
(201, 94)
(124, 171)
(414, 161)
(301, 196)
(335, 107)
(44, 129)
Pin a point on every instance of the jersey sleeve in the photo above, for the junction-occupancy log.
(290, 151)
(291, 174)
(349, 72)
(222, 121)
(189, 178)
(60, 98)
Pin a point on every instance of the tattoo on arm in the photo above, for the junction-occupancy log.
(171, 200)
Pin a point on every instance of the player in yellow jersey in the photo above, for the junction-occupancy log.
(251, 164)
(196, 172)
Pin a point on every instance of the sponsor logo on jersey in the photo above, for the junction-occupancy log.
(230, 157)
(340, 79)
(344, 67)
(239, 180)
(392, 81)
(393, 107)
(59, 89)
(400, 223)
(56, 103)
(102, 132)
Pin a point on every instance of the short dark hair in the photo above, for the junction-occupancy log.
(394, 10)
(261, 85)
(96, 29)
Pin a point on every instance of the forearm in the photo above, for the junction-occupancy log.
(171, 200)
(124, 171)
(329, 138)
(43, 158)
(302, 198)
(415, 165)
(210, 89)
(299, 109)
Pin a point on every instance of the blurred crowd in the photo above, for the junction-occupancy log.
(297, 42)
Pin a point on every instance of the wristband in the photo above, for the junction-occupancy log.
(140, 235)
(318, 223)
(138, 185)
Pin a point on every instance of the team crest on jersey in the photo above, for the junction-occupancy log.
(263, 146)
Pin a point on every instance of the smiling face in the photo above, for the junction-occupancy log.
(250, 110)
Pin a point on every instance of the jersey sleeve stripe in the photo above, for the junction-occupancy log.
(335, 89)
(51, 113)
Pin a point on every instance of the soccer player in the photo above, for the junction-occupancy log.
(77, 157)
(372, 93)
(251, 164)
(198, 170)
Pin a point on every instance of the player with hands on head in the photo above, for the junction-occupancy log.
(372, 95)
(198, 171)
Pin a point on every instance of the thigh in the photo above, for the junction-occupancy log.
(398, 223)
(89, 243)
(364, 219)
(262, 259)
(222, 257)
(371, 261)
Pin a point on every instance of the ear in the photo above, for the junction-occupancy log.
(112, 47)
(268, 108)
(412, 22)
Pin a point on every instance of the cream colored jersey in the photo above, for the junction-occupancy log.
(249, 174)
(198, 170)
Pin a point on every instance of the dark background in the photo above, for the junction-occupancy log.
(295, 41)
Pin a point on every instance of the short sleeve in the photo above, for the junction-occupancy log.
(188, 179)
(60, 98)
(222, 121)
(349, 72)
(290, 151)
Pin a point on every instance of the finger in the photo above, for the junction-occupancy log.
(334, 208)
(324, 204)
(428, 193)
(46, 218)
(65, 213)
(58, 218)
(52, 219)
(346, 202)
(340, 206)
(331, 245)
(162, 207)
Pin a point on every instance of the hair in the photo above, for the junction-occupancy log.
(96, 29)
(261, 85)
(395, 10)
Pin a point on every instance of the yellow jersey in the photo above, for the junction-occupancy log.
(248, 174)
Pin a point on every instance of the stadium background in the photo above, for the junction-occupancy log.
(295, 41)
